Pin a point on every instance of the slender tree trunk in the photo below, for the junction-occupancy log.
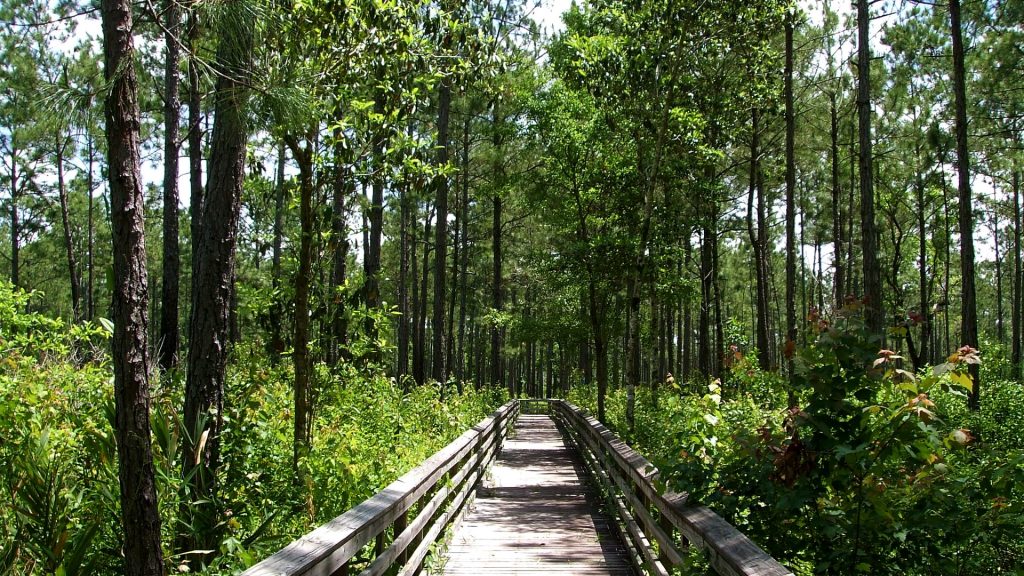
(169, 332)
(791, 247)
(839, 277)
(926, 317)
(1018, 278)
(704, 365)
(214, 265)
(464, 265)
(404, 311)
(277, 345)
(90, 185)
(140, 513)
(420, 352)
(414, 279)
(343, 188)
(371, 265)
(968, 302)
(497, 360)
(759, 243)
(69, 241)
(875, 312)
(439, 367)
(1000, 325)
(303, 155)
(687, 330)
(195, 135)
(15, 224)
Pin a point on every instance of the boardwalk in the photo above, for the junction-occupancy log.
(536, 514)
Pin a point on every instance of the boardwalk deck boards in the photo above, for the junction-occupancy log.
(536, 513)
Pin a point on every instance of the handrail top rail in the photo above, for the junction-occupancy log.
(336, 541)
(731, 552)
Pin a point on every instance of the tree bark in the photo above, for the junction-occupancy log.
(497, 360)
(404, 312)
(439, 368)
(968, 302)
(1018, 278)
(838, 245)
(169, 333)
(69, 241)
(343, 188)
(15, 225)
(875, 312)
(89, 185)
(277, 344)
(140, 512)
(213, 272)
(791, 246)
(759, 242)
(303, 155)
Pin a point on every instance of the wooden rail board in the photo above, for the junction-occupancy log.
(535, 513)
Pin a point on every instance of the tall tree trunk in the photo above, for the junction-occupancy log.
(303, 155)
(704, 366)
(90, 185)
(195, 134)
(791, 247)
(214, 264)
(968, 302)
(371, 265)
(1018, 278)
(687, 329)
(140, 514)
(1000, 325)
(419, 359)
(439, 367)
(343, 188)
(464, 264)
(497, 360)
(404, 311)
(925, 315)
(759, 243)
(15, 224)
(839, 275)
(875, 312)
(69, 241)
(169, 333)
(414, 279)
(277, 345)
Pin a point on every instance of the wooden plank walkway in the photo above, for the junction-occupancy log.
(536, 513)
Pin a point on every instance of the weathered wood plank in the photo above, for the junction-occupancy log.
(535, 513)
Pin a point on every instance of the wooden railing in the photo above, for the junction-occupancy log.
(403, 520)
(651, 522)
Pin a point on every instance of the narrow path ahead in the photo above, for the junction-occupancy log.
(536, 513)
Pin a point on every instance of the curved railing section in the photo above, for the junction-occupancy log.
(652, 522)
(403, 520)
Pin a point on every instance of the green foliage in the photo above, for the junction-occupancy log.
(60, 512)
(876, 470)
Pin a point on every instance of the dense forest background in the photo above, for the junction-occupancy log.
(264, 256)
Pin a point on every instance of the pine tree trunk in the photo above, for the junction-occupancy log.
(404, 312)
(439, 368)
(759, 243)
(169, 333)
(968, 302)
(1018, 278)
(303, 155)
(839, 277)
(213, 273)
(69, 241)
(90, 185)
(140, 513)
(15, 224)
(195, 135)
(791, 247)
(277, 345)
(343, 188)
(875, 312)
